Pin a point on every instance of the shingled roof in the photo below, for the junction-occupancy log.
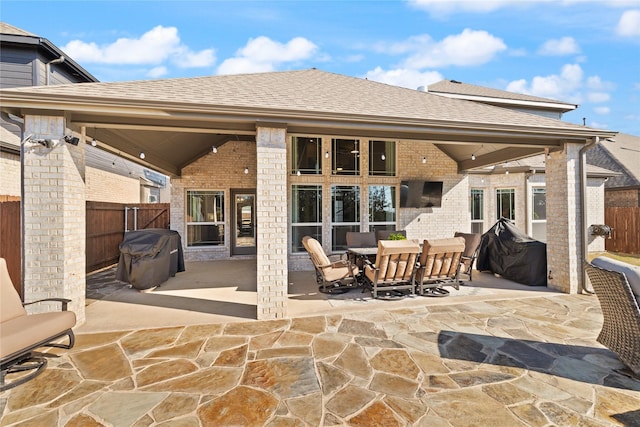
(455, 87)
(621, 155)
(295, 93)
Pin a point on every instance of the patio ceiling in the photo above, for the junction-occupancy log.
(174, 122)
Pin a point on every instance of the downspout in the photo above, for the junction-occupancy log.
(48, 68)
(583, 190)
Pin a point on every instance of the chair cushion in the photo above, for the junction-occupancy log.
(471, 242)
(25, 331)
(361, 239)
(632, 272)
(10, 304)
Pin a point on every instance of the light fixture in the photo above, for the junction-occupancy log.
(214, 149)
(506, 166)
(94, 142)
(383, 157)
(424, 159)
(507, 172)
(297, 173)
(142, 155)
(246, 169)
(473, 157)
(326, 155)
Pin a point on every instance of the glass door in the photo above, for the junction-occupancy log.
(244, 222)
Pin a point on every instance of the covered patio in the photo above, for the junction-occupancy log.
(251, 122)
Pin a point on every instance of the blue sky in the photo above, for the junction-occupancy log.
(577, 51)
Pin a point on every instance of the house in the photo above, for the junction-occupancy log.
(622, 155)
(29, 60)
(259, 160)
(517, 190)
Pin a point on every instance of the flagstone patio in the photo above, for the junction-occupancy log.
(480, 359)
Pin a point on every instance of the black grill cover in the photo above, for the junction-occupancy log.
(507, 251)
(149, 257)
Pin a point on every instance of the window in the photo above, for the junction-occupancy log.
(538, 213)
(205, 218)
(382, 158)
(306, 155)
(382, 207)
(505, 203)
(346, 156)
(306, 214)
(345, 214)
(477, 211)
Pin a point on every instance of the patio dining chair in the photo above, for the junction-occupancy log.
(22, 333)
(471, 248)
(393, 270)
(332, 276)
(439, 266)
(620, 310)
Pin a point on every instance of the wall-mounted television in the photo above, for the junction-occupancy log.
(420, 194)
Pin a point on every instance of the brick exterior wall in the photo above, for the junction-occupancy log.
(54, 220)
(564, 251)
(615, 198)
(102, 186)
(272, 240)
(9, 174)
(594, 202)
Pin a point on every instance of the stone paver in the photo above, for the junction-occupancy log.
(527, 362)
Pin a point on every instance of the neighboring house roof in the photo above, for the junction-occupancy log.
(456, 89)
(303, 101)
(13, 35)
(621, 154)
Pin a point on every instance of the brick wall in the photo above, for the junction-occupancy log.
(102, 186)
(9, 174)
(54, 220)
(594, 201)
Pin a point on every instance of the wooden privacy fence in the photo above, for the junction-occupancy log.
(10, 236)
(106, 225)
(625, 237)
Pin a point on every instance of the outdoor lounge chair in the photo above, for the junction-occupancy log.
(621, 313)
(22, 333)
(332, 277)
(393, 270)
(471, 248)
(439, 266)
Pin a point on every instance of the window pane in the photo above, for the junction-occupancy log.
(299, 231)
(346, 156)
(306, 155)
(205, 206)
(345, 203)
(382, 203)
(539, 231)
(476, 227)
(539, 204)
(506, 203)
(307, 203)
(382, 158)
(205, 235)
(477, 201)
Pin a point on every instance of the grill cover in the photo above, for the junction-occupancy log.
(149, 257)
(507, 251)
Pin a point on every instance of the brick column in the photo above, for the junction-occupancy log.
(271, 198)
(564, 220)
(53, 218)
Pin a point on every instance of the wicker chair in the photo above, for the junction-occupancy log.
(621, 326)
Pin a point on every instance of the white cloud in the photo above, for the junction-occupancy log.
(629, 24)
(154, 47)
(263, 54)
(598, 97)
(157, 72)
(561, 86)
(559, 47)
(602, 110)
(465, 49)
(411, 79)
(449, 6)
